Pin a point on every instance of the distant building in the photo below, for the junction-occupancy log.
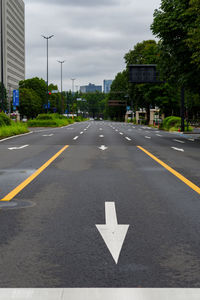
(91, 88)
(107, 86)
(13, 43)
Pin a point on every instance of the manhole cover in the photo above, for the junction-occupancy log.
(5, 205)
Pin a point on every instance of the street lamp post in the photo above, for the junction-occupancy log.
(61, 63)
(2, 66)
(73, 79)
(47, 39)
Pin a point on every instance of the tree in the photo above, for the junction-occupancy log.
(36, 84)
(4, 105)
(171, 24)
(30, 103)
(193, 40)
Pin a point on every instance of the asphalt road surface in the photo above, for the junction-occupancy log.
(118, 206)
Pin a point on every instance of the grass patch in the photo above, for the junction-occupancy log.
(13, 129)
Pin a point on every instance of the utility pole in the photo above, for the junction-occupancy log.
(61, 63)
(2, 66)
(47, 96)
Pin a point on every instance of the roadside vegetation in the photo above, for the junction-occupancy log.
(53, 120)
(173, 124)
(9, 128)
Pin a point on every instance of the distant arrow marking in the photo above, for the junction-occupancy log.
(103, 148)
(112, 233)
(18, 148)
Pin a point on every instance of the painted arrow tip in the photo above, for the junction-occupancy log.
(113, 237)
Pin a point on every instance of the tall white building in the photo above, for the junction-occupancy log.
(13, 29)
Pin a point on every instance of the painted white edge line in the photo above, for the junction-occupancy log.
(75, 138)
(14, 136)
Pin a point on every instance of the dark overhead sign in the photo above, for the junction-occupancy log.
(143, 74)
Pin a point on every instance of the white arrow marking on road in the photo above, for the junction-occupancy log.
(178, 141)
(18, 148)
(112, 233)
(103, 148)
(177, 149)
(76, 137)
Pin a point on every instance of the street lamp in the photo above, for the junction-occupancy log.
(73, 79)
(47, 39)
(61, 63)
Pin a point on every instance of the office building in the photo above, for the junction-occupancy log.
(107, 86)
(91, 88)
(13, 29)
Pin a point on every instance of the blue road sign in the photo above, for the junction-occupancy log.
(16, 98)
(128, 108)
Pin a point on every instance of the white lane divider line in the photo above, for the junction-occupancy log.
(178, 149)
(100, 129)
(147, 137)
(101, 136)
(18, 148)
(75, 138)
(192, 140)
(116, 130)
(48, 134)
(81, 132)
(178, 141)
(85, 129)
(121, 133)
(159, 135)
(128, 139)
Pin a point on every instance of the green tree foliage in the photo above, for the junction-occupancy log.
(4, 105)
(193, 40)
(36, 84)
(171, 25)
(30, 103)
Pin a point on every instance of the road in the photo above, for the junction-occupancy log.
(107, 182)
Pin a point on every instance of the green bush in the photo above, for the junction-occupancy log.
(13, 129)
(4, 120)
(173, 124)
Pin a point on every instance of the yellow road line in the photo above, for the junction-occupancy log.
(175, 173)
(20, 187)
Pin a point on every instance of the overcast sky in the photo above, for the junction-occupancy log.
(91, 36)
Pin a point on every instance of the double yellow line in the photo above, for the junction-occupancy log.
(20, 187)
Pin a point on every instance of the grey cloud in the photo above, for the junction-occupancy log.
(82, 3)
(92, 36)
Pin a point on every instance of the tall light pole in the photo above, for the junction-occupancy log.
(73, 79)
(61, 63)
(2, 66)
(47, 39)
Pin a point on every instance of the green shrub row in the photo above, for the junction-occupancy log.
(53, 120)
(172, 124)
(13, 129)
